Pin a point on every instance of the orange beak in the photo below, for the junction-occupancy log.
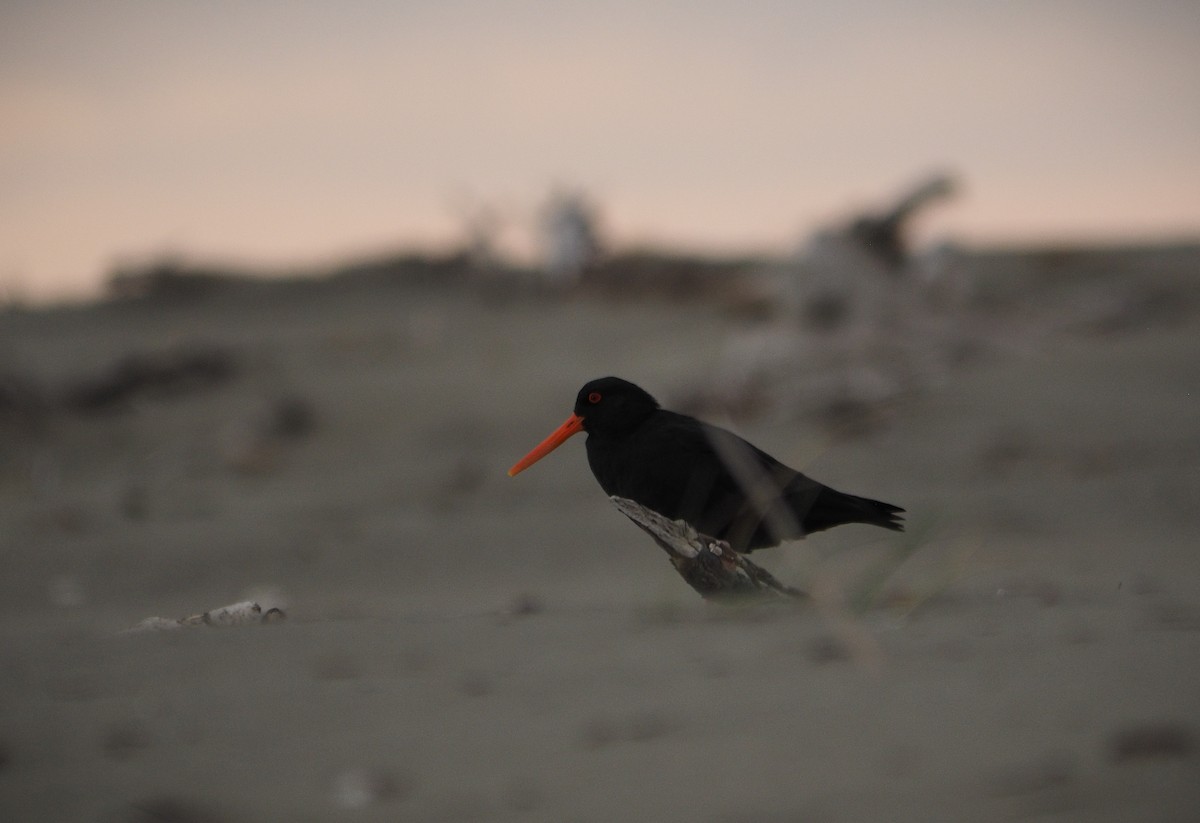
(574, 425)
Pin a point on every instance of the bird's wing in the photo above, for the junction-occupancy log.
(756, 489)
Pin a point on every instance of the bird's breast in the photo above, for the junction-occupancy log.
(653, 471)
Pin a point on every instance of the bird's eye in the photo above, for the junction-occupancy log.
(594, 398)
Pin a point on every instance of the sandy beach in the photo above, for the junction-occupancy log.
(460, 645)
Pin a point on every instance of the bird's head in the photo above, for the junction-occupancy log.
(611, 405)
(607, 406)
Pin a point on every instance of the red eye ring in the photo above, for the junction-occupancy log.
(594, 398)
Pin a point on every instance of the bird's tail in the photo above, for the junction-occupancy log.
(834, 508)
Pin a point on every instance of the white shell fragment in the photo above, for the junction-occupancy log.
(236, 614)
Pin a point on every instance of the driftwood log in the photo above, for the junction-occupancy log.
(706, 564)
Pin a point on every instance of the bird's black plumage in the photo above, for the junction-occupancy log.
(714, 480)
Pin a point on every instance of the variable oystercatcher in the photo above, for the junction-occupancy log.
(706, 476)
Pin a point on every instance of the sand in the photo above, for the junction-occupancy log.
(460, 645)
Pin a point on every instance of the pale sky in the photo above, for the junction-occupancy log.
(278, 133)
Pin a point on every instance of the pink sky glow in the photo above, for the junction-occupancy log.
(289, 133)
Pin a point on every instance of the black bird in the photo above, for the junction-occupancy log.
(706, 476)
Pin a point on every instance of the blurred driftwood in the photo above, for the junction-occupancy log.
(164, 373)
(708, 565)
(884, 234)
